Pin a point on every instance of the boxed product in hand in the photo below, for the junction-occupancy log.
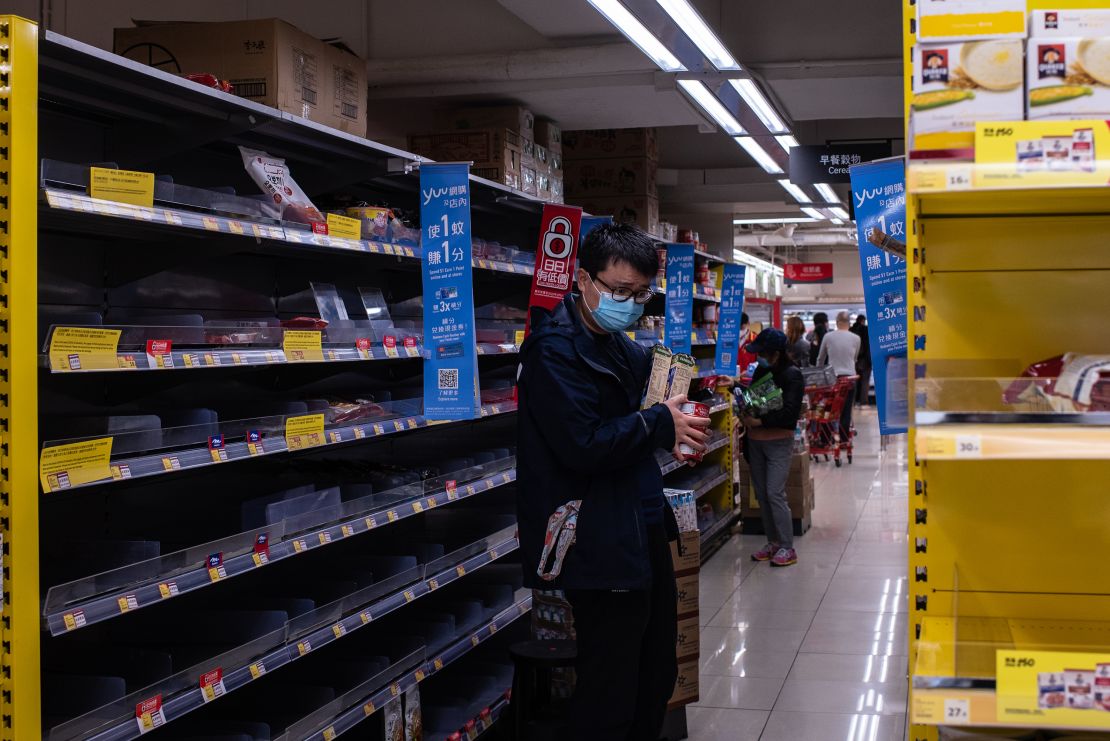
(960, 84)
(1068, 78)
(946, 20)
(1088, 22)
(683, 370)
(268, 61)
(660, 374)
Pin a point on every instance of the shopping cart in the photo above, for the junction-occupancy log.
(823, 420)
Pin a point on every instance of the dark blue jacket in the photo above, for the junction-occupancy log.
(581, 435)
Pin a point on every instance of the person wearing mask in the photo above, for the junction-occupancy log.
(744, 357)
(820, 329)
(840, 349)
(586, 468)
(863, 363)
(797, 346)
(770, 441)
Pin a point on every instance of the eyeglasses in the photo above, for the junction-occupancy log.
(621, 295)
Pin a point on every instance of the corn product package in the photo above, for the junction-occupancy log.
(1068, 78)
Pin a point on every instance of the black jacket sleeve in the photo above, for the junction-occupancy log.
(562, 400)
(793, 388)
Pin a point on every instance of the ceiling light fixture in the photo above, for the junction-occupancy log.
(827, 193)
(694, 26)
(759, 154)
(705, 98)
(839, 213)
(799, 194)
(814, 213)
(838, 222)
(787, 142)
(755, 99)
(783, 220)
(638, 34)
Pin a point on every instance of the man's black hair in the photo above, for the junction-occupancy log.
(744, 319)
(820, 318)
(612, 243)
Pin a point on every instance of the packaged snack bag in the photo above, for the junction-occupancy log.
(272, 175)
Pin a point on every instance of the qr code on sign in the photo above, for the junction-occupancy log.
(448, 378)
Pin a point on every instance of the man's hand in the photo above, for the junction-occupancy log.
(688, 429)
(751, 422)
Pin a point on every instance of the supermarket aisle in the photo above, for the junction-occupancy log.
(816, 651)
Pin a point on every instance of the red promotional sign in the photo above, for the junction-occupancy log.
(808, 273)
(555, 253)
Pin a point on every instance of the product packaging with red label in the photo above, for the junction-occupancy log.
(693, 409)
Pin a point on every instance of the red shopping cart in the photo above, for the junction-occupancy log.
(826, 403)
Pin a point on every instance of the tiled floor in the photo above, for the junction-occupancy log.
(817, 651)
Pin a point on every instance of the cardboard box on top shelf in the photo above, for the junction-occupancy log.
(497, 174)
(550, 135)
(529, 180)
(267, 61)
(557, 192)
(689, 638)
(690, 559)
(595, 143)
(542, 159)
(490, 147)
(626, 176)
(688, 592)
(642, 211)
(686, 685)
(515, 117)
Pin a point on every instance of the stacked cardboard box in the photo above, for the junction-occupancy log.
(687, 564)
(613, 172)
(496, 153)
(799, 495)
(514, 117)
(550, 137)
(268, 61)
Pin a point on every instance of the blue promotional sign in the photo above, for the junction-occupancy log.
(451, 357)
(879, 192)
(728, 327)
(589, 223)
(680, 297)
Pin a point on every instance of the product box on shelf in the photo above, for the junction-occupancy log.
(503, 175)
(1088, 22)
(529, 180)
(483, 147)
(957, 85)
(558, 193)
(268, 61)
(686, 686)
(944, 20)
(549, 135)
(688, 592)
(595, 143)
(515, 117)
(1068, 78)
(642, 211)
(690, 557)
(633, 176)
(688, 641)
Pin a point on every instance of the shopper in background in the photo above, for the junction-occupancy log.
(863, 362)
(582, 436)
(820, 329)
(745, 357)
(770, 443)
(797, 346)
(840, 349)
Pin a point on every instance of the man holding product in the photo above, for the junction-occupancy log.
(586, 459)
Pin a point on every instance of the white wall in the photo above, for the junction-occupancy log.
(847, 278)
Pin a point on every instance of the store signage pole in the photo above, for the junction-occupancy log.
(728, 331)
(680, 297)
(879, 197)
(451, 356)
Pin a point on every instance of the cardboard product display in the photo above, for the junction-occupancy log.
(687, 645)
(633, 176)
(596, 143)
(688, 593)
(515, 117)
(268, 61)
(503, 175)
(690, 559)
(483, 147)
(641, 211)
(550, 135)
(686, 686)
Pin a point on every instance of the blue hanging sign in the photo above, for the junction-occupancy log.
(451, 357)
(879, 193)
(680, 297)
(728, 326)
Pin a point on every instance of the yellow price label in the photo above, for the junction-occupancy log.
(306, 431)
(1058, 689)
(518, 337)
(123, 186)
(83, 348)
(301, 345)
(235, 227)
(420, 675)
(416, 507)
(339, 630)
(65, 466)
(257, 670)
(368, 708)
(438, 664)
(344, 227)
(210, 223)
(329, 734)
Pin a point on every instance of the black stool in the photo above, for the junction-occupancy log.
(536, 714)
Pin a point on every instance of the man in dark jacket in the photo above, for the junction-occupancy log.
(582, 436)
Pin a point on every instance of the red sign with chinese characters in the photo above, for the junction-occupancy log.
(808, 273)
(555, 255)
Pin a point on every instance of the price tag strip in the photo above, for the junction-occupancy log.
(171, 708)
(108, 606)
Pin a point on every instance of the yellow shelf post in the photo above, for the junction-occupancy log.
(19, 488)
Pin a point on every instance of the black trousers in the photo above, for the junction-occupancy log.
(626, 663)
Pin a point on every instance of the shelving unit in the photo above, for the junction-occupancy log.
(989, 477)
(161, 567)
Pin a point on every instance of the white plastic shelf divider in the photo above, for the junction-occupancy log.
(668, 463)
(234, 678)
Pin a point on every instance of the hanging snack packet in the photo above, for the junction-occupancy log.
(272, 175)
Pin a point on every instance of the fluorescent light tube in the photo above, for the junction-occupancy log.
(838, 222)
(705, 98)
(755, 99)
(813, 213)
(759, 154)
(782, 220)
(638, 34)
(827, 193)
(694, 26)
(799, 194)
(787, 142)
(839, 213)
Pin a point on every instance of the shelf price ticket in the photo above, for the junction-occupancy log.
(303, 345)
(74, 464)
(83, 349)
(1060, 689)
(306, 431)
